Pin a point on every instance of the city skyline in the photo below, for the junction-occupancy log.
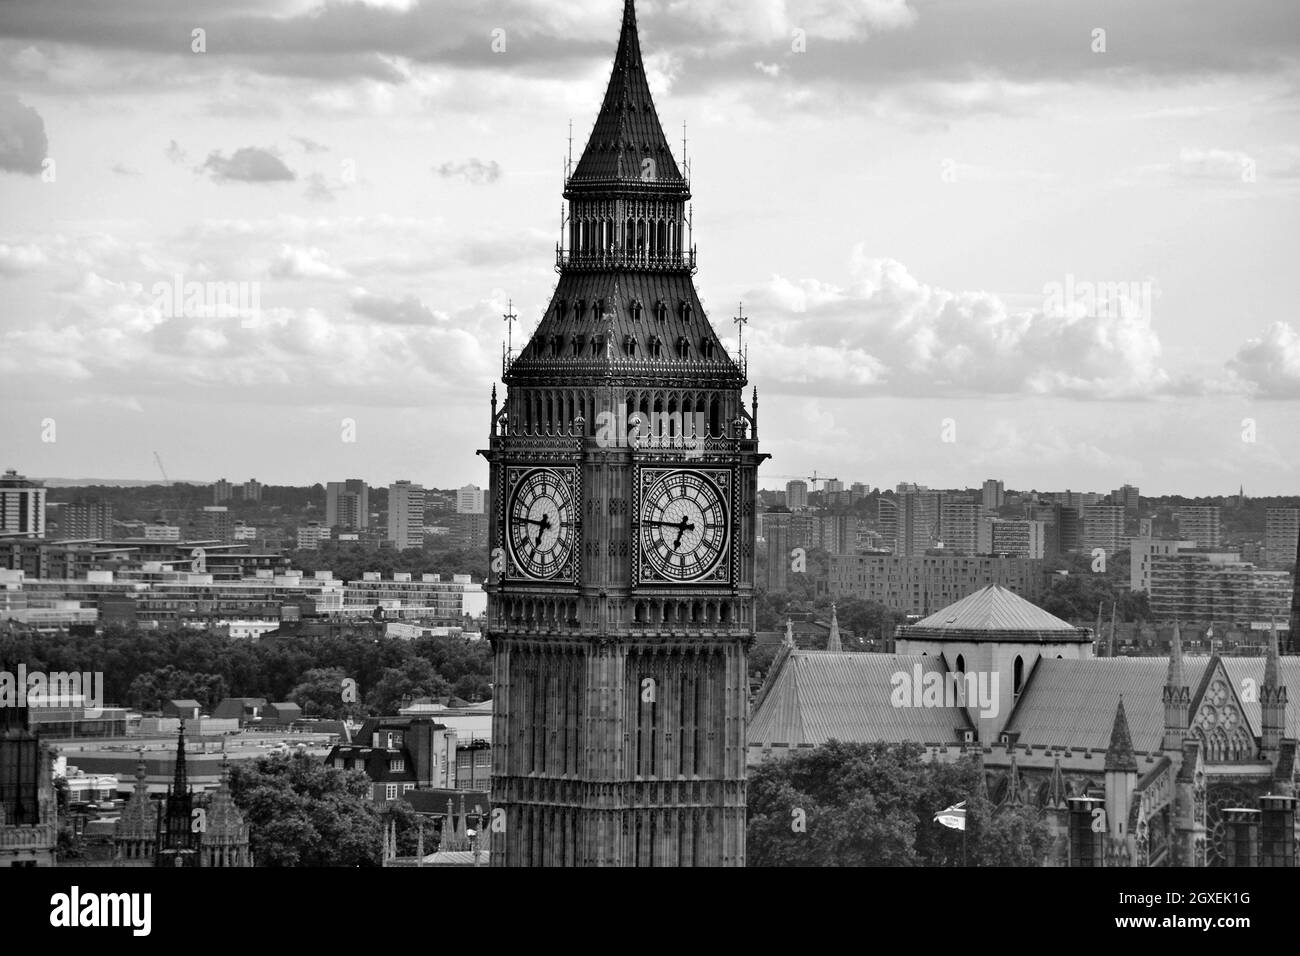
(386, 194)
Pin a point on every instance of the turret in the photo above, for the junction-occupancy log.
(1177, 696)
(1272, 703)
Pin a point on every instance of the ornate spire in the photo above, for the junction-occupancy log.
(1119, 755)
(180, 781)
(1270, 660)
(1056, 791)
(1175, 679)
(627, 143)
(833, 640)
(789, 633)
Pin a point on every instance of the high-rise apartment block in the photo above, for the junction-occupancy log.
(215, 524)
(1018, 539)
(796, 495)
(959, 523)
(86, 519)
(1200, 524)
(1103, 527)
(222, 491)
(22, 505)
(469, 500)
(994, 494)
(1281, 533)
(1126, 497)
(347, 504)
(406, 514)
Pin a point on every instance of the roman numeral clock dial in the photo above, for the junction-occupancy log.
(684, 531)
(540, 524)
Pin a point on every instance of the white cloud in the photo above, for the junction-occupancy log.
(295, 262)
(1270, 364)
(889, 333)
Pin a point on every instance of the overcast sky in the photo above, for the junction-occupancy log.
(912, 198)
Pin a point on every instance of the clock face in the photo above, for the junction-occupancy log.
(683, 526)
(540, 524)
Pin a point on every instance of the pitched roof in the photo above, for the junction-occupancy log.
(1069, 703)
(624, 303)
(1240, 669)
(627, 130)
(817, 696)
(994, 613)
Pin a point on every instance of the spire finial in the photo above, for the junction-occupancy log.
(1175, 679)
(833, 640)
(1119, 755)
(1270, 662)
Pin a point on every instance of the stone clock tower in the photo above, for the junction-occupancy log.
(623, 481)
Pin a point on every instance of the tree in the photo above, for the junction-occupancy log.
(395, 688)
(321, 694)
(303, 813)
(844, 804)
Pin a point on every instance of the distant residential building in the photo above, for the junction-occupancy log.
(1103, 527)
(347, 504)
(86, 519)
(833, 486)
(161, 531)
(1018, 538)
(994, 494)
(22, 505)
(1126, 497)
(252, 490)
(426, 597)
(468, 530)
(469, 500)
(311, 536)
(243, 532)
(777, 535)
(919, 521)
(887, 519)
(959, 525)
(215, 524)
(1141, 551)
(222, 492)
(796, 495)
(1281, 535)
(924, 583)
(1202, 525)
(837, 534)
(858, 490)
(399, 754)
(406, 514)
(1205, 585)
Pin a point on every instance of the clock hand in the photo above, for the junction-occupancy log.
(685, 526)
(545, 526)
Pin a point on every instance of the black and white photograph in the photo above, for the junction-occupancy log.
(651, 434)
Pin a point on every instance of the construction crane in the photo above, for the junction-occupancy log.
(811, 479)
(166, 481)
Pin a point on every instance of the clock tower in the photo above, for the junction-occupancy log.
(623, 485)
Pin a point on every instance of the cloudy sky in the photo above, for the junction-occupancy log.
(1064, 229)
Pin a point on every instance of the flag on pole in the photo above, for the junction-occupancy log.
(954, 817)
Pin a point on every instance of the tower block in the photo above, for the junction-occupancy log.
(623, 486)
